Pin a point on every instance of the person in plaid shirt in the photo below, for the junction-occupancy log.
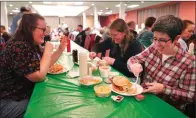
(170, 72)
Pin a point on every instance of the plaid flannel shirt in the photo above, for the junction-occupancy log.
(177, 73)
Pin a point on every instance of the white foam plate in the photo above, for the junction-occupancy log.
(138, 87)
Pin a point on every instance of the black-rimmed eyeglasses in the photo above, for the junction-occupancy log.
(43, 29)
(161, 40)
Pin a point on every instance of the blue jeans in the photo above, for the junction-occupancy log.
(13, 109)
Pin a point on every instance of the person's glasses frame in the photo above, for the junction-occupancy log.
(161, 40)
(43, 29)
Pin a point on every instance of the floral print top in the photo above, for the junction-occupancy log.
(17, 60)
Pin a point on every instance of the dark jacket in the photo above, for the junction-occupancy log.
(80, 38)
(121, 58)
(6, 36)
(134, 33)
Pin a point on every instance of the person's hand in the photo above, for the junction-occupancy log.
(109, 60)
(92, 55)
(48, 47)
(154, 88)
(63, 43)
(136, 69)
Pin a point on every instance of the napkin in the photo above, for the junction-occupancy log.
(73, 74)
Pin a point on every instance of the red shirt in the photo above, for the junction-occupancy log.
(177, 73)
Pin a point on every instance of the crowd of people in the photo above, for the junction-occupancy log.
(160, 49)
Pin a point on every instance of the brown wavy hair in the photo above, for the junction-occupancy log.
(25, 29)
(121, 26)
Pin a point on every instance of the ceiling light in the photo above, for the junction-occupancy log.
(78, 3)
(142, 1)
(106, 8)
(99, 13)
(93, 4)
(48, 10)
(15, 10)
(10, 5)
(109, 12)
(11, 13)
(30, 2)
(91, 14)
(119, 5)
(101, 10)
(47, 2)
(132, 6)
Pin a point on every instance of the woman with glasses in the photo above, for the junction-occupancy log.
(119, 48)
(187, 32)
(22, 64)
(170, 72)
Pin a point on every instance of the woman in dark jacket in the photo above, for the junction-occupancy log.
(120, 48)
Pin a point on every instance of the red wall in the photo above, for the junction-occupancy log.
(104, 21)
(131, 16)
(187, 10)
(107, 20)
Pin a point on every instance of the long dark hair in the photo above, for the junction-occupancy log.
(25, 29)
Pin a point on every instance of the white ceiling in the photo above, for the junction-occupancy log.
(101, 5)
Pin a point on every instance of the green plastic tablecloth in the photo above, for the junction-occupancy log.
(62, 97)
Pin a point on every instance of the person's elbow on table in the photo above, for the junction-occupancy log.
(36, 76)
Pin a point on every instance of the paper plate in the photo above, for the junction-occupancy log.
(60, 72)
(90, 80)
(138, 88)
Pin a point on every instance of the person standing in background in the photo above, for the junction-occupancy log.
(66, 32)
(146, 35)
(132, 26)
(18, 17)
(80, 38)
(187, 32)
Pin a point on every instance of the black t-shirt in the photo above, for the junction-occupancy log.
(80, 38)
